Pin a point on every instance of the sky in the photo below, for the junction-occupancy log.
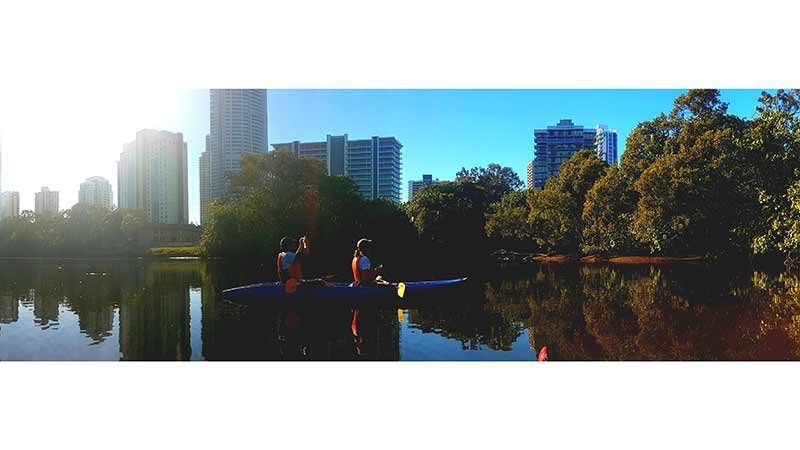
(58, 138)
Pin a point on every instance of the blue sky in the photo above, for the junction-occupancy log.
(442, 130)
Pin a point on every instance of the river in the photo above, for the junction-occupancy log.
(172, 310)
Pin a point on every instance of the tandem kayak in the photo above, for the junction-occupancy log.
(277, 291)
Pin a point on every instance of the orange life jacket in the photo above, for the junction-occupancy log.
(356, 270)
(295, 270)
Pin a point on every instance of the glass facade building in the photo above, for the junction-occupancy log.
(374, 164)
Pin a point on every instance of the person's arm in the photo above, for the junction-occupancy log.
(368, 275)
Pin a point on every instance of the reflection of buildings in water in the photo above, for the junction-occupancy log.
(154, 318)
(45, 310)
(97, 323)
(9, 309)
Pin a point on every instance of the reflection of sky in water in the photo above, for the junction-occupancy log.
(418, 346)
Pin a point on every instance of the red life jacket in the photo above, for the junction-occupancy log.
(295, 270)
(356, 270)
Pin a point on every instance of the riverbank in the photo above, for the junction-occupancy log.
(507, 256)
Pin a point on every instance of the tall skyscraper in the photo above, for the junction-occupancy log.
(374, 164)
(9, 204)
(238, 126)
(96, 191)
(415, 185)
(46, 202)
(205, 183)
(556, 144)
(152, 175)
(530, 175)
(606, 144)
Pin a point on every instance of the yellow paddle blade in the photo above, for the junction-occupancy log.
(291, 286)
(401, 289)
(400, 316)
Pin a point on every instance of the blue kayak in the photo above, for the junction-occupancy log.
(277, 291)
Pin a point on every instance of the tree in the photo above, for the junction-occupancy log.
(274, 194)
(496, 180)
(690, 197)
(773, 142)
(607, 215)
(556, 210)
(507, 221)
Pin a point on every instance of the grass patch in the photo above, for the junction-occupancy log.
(174, 251)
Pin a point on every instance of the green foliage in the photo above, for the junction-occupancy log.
(275, 194)
(174, 251)
(607, 215)
(555, 215)
(507, 220)
(690, 197)
(83, 230)
(494, 179)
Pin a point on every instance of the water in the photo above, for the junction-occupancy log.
(146, 310)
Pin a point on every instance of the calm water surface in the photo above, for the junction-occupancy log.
(145, 310)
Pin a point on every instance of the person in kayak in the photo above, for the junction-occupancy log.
(363, 272)
(290, 263)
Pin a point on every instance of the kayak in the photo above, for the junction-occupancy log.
(277, 291)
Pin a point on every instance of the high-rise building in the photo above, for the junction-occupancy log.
(9, 204)
(96, 191)
(1, 162)
(152, 175)
(530, 175)
(374, 164)
(205, 183)
(238, 126)
(46, 201)
(415, 185)
(606, 144)
(556, 144)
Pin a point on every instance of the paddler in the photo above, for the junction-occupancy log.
(290, 263)
(363, 272)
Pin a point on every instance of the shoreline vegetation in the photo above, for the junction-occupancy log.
(695, 185)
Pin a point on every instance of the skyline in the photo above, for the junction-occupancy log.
(436, 127)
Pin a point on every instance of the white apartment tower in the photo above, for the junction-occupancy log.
(606, 144)
(46, 202)
(152, 175)
(96, 191)
(238, 126)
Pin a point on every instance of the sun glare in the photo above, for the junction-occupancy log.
(57, 137)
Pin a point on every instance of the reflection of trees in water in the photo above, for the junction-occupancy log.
(663, 313)
(474, 325)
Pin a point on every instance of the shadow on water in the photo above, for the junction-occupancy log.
(173, 310)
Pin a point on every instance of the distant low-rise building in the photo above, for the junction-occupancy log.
(9, 204)
(530, 174)
(606, 144)
(46, 202)
(415, 185)
(96, 191)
